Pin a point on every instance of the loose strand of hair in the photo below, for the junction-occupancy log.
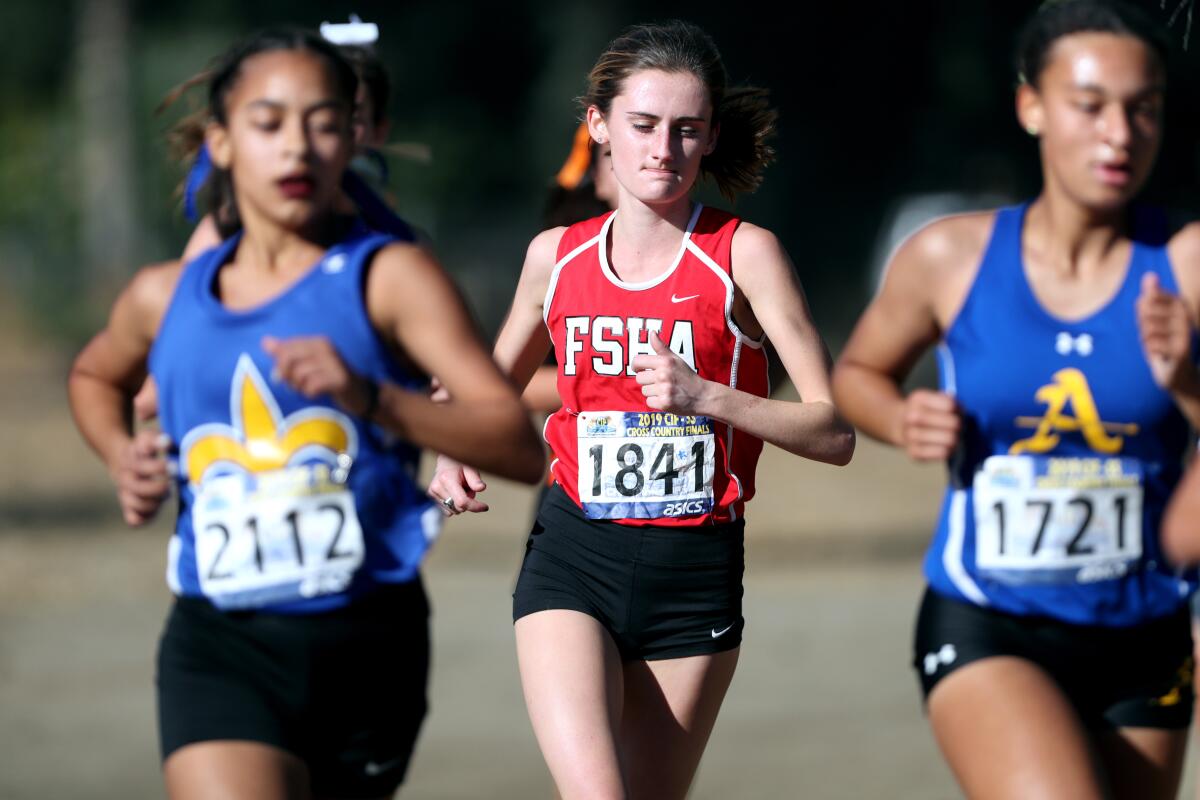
(1190, 5)
(185, 137)
(747, 123)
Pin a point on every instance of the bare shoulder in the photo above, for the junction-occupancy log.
(946, 245)
(751, 242)
(759, 265)
(146, 298)
(1183, 249)
(935, 266)
(405, 281)
(203, 237)
(757, 257)
(400, 260)
(154, 284)
(542, 254)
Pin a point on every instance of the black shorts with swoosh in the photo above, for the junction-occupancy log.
(661, 592)
(344, 690)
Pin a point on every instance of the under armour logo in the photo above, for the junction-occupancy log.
(1065, 343)
(943, 657)
(334, 264)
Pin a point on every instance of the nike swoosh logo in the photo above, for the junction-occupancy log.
(716, 634)
(374, 768)
(675, 299)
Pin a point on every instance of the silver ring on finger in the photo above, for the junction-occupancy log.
(449, 504)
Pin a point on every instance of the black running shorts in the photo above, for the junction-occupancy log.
(342, 690)
(661, 592)
(1115, 677)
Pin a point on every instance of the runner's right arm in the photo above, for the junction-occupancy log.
(102, 382)
(925, 281)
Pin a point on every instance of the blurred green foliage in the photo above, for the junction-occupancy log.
(878, 101)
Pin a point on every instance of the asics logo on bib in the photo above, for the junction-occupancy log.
(261, 438)
(685, 509)
(616, 341)
(1070, 387)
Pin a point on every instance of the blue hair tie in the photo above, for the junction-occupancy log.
(197, 176)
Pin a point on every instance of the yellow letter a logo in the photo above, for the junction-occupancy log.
(1070, 386)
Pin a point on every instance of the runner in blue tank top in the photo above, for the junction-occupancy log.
(1053, 644)
(288, 364)
(368, 169)
(361, 191)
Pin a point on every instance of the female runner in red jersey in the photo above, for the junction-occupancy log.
(628, 605)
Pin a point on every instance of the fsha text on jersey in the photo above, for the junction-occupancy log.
(616, 341)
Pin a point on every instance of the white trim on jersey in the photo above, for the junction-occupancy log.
(549, 298)
(946, 360)
(546, 424)
(733, 375)
(650, 284)
(174, 546)
(952, 554)
(734, 362)
(706, 259)
(952, 558)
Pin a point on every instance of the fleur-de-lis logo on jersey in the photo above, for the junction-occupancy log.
(261, 438)
(1070, 386)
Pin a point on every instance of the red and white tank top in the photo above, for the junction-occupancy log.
(616, 457)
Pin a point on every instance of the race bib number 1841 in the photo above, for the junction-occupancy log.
(645, 465)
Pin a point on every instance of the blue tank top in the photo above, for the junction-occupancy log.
(285, 502)
(1069, 450)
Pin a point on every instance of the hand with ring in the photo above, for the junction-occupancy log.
(454, 486)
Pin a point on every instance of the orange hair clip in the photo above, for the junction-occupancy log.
(578, 162)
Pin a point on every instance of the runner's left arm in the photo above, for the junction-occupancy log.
(1167, 324)
(520, 347)
(415, 306)
(1180, 536)
(811, 428)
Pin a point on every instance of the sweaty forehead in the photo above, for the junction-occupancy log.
(664, 94)
(1113, 63)
(283, 77)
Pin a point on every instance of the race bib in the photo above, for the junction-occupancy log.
(645, 465)
(1057, 520)
(275, 537)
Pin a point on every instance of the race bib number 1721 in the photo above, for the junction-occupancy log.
(1057, 520)
(645, 465)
